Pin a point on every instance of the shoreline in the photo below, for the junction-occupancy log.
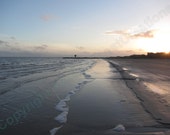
(99, 98)
(105, 103)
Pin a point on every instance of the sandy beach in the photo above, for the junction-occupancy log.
(105, 103)
(85, 67)
(98, 97)
(152, 86)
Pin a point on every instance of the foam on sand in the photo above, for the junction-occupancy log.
(125, 69)
(71, 92)
(62, 105)
(67, 98)
(134, 75)
(78, 87)
(54, 130)
(119, 128)
(62, 117)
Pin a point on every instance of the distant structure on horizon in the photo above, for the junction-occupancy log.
(158, 55)
(161, 55)
(151, 55)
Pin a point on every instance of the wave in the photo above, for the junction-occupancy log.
(19, 71)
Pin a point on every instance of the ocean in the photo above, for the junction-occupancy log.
(29, 91)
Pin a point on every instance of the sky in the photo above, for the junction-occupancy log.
(60, 28)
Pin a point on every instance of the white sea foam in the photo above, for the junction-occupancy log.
(78, 87)
(125, 69)
(67, 98)
(62, 106)
(134, 75)
(54, 130)
(62, 117)
(119, 128)
(71, 92)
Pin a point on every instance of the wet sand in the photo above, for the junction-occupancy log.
(105, 103)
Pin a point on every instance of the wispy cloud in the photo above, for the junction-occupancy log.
(118, 32)
(4, 43)
(41, 47)
(7, 45)
(146, 34)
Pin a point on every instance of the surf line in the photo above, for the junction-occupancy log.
(63, 107)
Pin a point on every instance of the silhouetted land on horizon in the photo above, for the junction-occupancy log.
(150, 55)
(158, 55)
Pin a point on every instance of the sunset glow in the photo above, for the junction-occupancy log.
(159, 43)
(87, 28)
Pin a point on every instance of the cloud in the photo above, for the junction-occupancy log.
(145, 34)
(10, 46)
(118, 32)
(42, 47)
(4, 43)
